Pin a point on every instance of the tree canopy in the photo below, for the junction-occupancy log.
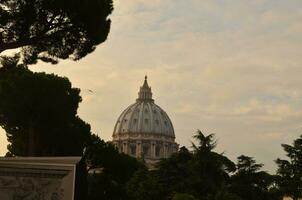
(290, 170)
(49, 30)
(200, 174)
(210, 169)
(250, 182)
(109, 170)
(38, 111)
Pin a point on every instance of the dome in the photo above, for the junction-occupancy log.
(144, 117)
(144, 130)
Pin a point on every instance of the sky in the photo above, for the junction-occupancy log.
(229, 67)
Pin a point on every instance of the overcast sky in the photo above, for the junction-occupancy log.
(229, 67)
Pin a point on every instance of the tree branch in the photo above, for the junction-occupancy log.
(30, 41)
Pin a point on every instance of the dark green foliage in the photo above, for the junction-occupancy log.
(100, 154)
(38, 111)
(224, 194)
(53, 29)
(183, 196)
(112, 170)
(145, 185)
(200, 174)
(102, 186)
(175, 172)
(171, 175)
(210, 169)
(290, 171)
(249, 182)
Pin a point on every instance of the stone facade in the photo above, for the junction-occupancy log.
(150, 146)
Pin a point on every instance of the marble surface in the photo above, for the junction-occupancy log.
(37, 178)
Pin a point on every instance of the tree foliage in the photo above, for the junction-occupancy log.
(183, 196)
(38, 111)
(109, 170)
(101, 154)
(211, 170)
(48, 30)
(145, 185)
(290, 171)
(249, 182)
(200, 174)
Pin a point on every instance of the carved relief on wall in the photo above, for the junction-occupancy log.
(30, 186)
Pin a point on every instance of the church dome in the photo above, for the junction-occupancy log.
(144, 117)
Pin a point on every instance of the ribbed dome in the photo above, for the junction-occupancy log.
(144, 116)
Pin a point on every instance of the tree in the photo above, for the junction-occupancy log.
(38, 111)
(101, 154)
(183, 196)
(249, 182)
(174, 173)
(109, 170)
(145, 185)
(290, 171)
(49, 30)
(169, 176)
(210, 169)
(224, 194)
(201, 173)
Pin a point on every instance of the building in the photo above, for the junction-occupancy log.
(144, 129)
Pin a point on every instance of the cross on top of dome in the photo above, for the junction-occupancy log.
(145, 93)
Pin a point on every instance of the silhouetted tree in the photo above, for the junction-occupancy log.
(53, 29)
(145, 185)
(224, 194)
(100, 154)
(290, 171)
(102, 186)
(183, 196)
(210, 169)
(249, 182)
(174, 173)
(109, 170)
(200, 174)
(170, 175)
(38, 111)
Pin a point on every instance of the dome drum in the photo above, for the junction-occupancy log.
(146, 148)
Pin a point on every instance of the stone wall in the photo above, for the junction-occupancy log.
(38, 178)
